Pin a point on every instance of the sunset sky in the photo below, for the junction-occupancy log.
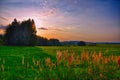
(87, 20)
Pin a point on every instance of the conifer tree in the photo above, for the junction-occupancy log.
(23, 34)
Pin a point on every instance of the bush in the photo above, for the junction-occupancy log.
(81, 43)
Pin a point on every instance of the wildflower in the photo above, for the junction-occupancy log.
(59, 57)
(71, 59)
(47, 61)
(65, 54)
(119, 61)
(84, 56)
(100, 55)
(105, 60)
(94, 55)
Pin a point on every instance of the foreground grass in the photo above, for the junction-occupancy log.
(41, 63)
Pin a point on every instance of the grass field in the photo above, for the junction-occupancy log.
(59, 63)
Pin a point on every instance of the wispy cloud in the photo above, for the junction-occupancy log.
(4, 18)
(49, 12)
(50, 28)
(42, 28)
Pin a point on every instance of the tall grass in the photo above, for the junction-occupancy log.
(68, 66)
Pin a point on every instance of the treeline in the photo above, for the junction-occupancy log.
(48, 42)
(24, 34)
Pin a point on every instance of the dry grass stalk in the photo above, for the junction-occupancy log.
(23, 60)
(2, 68)
(33, 60)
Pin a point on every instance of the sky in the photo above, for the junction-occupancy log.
(85, 20)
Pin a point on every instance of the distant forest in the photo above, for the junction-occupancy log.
(24, 34)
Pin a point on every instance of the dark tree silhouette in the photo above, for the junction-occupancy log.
(81, 43)
(23, 33)
(42, 41)
(91, 44)
(1, 39)
(54, 42)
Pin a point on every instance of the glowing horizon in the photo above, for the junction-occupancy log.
(86, 20)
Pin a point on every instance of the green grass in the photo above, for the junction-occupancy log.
(11, 60)
(109, 50)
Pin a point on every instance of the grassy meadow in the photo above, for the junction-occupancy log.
(60, 63)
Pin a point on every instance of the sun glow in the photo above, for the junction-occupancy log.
(37, 23)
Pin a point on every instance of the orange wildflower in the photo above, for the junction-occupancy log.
(71, 59)
(119, 61)
(47, 61)
(59, 57)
